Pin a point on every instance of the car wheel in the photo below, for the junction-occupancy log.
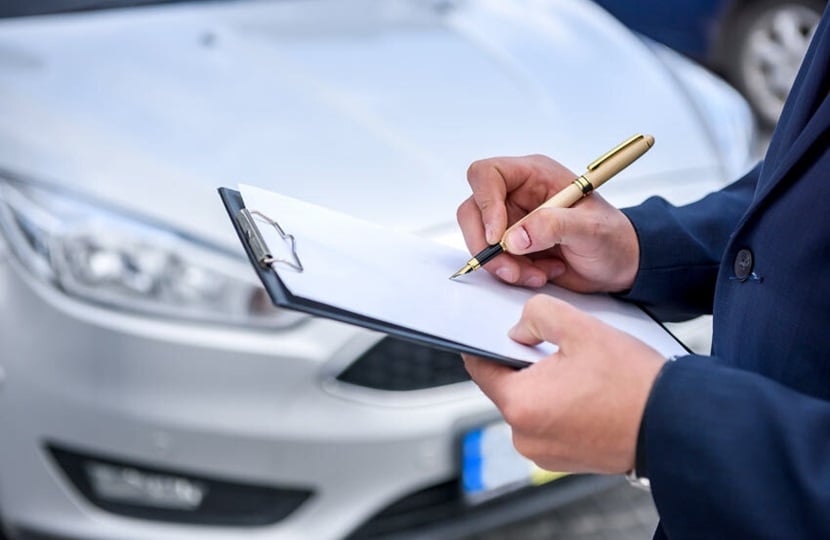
(767, 44)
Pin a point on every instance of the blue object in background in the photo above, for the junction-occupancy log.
(688, 26)
(471, 473)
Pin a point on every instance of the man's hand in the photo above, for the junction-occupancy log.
(578, 410)
(589, 247)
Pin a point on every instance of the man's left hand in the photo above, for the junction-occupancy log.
(579, 409)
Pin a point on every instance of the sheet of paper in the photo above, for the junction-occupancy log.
(403, 278)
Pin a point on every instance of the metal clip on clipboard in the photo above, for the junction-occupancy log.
(263, 255)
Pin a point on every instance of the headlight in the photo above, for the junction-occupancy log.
(108, 258)
(725, 113)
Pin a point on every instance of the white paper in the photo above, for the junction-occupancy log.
(403, 278)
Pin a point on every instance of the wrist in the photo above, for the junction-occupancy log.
(628, 259)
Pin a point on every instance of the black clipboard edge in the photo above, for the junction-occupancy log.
(282, 297)
(663, 326)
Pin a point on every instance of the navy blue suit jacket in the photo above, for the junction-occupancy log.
(737, 445)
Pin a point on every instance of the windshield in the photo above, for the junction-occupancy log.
(20, 8)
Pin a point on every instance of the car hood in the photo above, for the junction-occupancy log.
(375, 108)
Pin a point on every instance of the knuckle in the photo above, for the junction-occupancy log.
(537, 305)
(539, 159)
(519, 414)
(530, 447)
(542, 163)
(544, 228)
(477, 169)
(521, 444)
(485, 204)
(551, 222)
(464, 209)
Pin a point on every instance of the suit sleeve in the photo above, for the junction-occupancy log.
(681, 249)
(737, 453)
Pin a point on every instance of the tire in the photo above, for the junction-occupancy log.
(764, 51)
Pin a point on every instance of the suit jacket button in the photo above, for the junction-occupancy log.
(743, 264)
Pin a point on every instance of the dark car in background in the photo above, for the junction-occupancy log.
(756, 45)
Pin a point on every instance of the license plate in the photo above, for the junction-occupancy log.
(490, 465)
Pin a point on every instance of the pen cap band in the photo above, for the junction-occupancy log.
(584, 185)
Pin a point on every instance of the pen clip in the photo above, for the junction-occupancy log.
(256, 242)
(614, 151)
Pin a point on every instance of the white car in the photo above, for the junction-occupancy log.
(148, 389)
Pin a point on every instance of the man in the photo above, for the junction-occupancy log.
(737, 444)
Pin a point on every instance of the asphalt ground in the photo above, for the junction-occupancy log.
(619, 513)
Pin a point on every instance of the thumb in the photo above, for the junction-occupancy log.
(548, 319)
(545, 228)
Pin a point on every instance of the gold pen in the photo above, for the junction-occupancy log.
(599, 171)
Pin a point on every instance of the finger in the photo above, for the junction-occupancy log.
(490, 376)
(547, 319)
(530, 274)
(544, 229)
(491, 180)
(469, 220)
(573, 281)
(517, 270)
(552, 266)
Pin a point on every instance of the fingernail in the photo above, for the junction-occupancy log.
(506, 274)
(488, 234)
(518, 239)
(535, 281)
(512, 333)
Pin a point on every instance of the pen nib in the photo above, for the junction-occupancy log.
(466, 270)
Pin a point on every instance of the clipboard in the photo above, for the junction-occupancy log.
(258, 254)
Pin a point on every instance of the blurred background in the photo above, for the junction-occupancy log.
(149, 389)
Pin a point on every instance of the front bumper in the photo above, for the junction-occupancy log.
(248, 407)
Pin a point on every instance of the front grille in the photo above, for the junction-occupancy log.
(394, 364)
(436, 503)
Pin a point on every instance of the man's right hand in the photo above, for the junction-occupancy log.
(589, 247)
